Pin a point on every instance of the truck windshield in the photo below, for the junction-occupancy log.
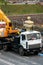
(33, 36)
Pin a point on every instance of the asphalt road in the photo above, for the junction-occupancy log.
(12, 58)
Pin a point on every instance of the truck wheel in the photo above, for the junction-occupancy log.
(36, 53)
(21, 51)
(5, 48)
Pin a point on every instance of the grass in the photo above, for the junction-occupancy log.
(22, 9)
(1, 1)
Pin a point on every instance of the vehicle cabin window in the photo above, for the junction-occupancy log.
(23, 37)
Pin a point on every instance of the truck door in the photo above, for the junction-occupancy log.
(23, 40)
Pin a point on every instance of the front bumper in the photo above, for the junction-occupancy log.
(34, 47)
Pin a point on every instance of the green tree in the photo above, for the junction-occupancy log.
(5, 2)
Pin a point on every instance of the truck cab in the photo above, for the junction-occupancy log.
(30, 41)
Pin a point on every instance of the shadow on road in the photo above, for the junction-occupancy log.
(26, 54)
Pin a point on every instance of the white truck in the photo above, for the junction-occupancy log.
(28, 41)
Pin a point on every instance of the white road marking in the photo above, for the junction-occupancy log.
(31, 61)
(34, 63)
(6, 62)
(22, 58)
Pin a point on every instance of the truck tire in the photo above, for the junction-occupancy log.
(36, 52)
(21, 51)
(5, 47)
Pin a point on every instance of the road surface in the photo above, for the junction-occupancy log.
(12, 58)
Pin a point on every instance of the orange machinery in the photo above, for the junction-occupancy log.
(5, 25)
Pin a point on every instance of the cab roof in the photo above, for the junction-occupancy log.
(29, 32)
